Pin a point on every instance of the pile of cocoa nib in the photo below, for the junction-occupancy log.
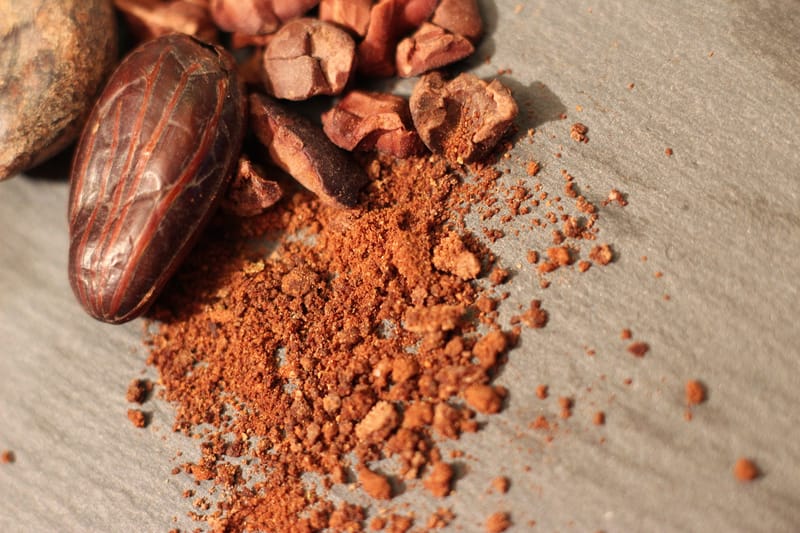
(319, 308)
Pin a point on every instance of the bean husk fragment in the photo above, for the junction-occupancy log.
(150, 168)
(301, 149)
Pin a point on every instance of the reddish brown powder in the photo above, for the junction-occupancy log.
(354, 336)
(137, 418)
(498, 522)
(138, 389)
(501, 484)
(7, 457)
(638, 349)
(745, 470)
(695, 392)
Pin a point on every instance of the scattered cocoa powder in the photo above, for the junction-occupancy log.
(638, 349)
(668, 151)
(578, 132)
(695, 392)
(501, 484)
(138, 390)
(599, 418)
(541, 392)
(439, 480)
(137, 418)
(7, 457)
(626, 334)
(745, 470)
(374, 484)
(498, 522)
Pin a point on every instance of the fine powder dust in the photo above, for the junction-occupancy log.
(362, 336)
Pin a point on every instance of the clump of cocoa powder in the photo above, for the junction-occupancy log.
(352, 339)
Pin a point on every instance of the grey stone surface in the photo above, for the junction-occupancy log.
(719, 83)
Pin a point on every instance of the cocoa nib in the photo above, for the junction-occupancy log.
(350, 14)
(376, 51)
(463, 119)
(307, 57)
(148, 20)
(430, 47)
(302, 150)
(250, 17)
(365, 121)
(249, 193)
(461, 17)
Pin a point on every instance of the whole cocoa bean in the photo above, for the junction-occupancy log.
(151, 166)
(54, 57)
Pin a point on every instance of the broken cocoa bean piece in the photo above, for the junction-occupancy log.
(350, 14)
(307, 57)
(428, 48)
(461, 17)
(249, 193)
(412, 13)
(376, 51)
(148, 19)
(247, 17)
(463, 119)
(365, 121)
(291, 9)
(301, 149)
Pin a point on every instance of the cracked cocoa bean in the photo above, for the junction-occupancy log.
(249, 17)
(307, 57)
(463, 119)
(350, 14)
(365, 121)
(461, 17)
(54, 57)
(301, 149)
(148, 20)
(430, 47)
(151, 166)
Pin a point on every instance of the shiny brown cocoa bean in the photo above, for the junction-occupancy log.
(302, 150)
(151, 166)
(54, 58)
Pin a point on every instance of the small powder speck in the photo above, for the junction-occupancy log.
(695, 392)
(625, 334)
(638, 349)
(541, 392)
(745, 470)
(7, 457)
(498, 522)
(669, 152)
(137, 418)
(500, 484)
(599, 418)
